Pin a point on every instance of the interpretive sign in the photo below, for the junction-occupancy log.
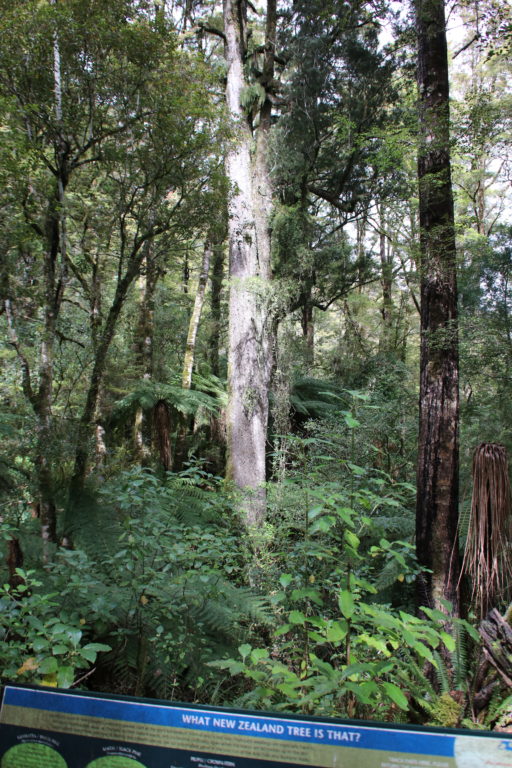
(42, 728)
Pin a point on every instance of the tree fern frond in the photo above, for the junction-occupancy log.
(389, 574)
(148, 393)
(315, 399)
(84, 518)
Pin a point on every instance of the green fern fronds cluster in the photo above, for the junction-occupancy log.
(148, 393)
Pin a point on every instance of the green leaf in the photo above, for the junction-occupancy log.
(315, 511)
(448, 640)
(48, 666)
(40, 644)
(59, 649)
(296, 617)
(75, 635)
(394, 693)
(88, 655)
(351, 539)
(258, 654)
(285, 579)
(336, 632)
(423, 650)
(98, 647)
(472, 632)
(65, 677)
(346, 603)
(244, 650)
(323, 524)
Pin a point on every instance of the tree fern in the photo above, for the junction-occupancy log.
(314, 399)
(147, 394)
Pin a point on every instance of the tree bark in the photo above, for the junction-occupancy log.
(437, 476)
(195, 318)
(308, 333)
(249, 356)
(386, 280)
(215, 307)
(143, 347)
(55, 277)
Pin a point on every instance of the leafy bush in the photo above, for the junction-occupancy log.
(165, 587)
(39, 640)
(341, 648)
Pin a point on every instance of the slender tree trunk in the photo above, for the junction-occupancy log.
(195, 318)
(437, 479)
(86, 423)
(143, 348)
(249, 257)
(55, 275)
(215, 307)
(45, 391)
(186, 423)
(386, 265)
(308, 333)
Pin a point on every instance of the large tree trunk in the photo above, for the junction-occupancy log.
(249, 260)
(437, 478)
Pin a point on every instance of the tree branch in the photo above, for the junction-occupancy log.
(25, 368)
(475, 37)
(212, 30)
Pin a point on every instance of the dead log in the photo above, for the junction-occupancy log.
(496, 634)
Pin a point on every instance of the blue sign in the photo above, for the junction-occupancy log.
(47, 728)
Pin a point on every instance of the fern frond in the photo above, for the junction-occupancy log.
(459, 657)
(441, 673)
(314, 398)
(148, 393)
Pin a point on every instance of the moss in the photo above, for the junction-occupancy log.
(446, 712)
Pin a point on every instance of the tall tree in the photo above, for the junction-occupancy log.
(437, 474)
(249, 258)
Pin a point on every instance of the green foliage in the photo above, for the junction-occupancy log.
(160, 566)
(313, 398)
(252, 97)
(41, 641)
(337, 651)
(447, 712)
(166, 594)
(186, 401)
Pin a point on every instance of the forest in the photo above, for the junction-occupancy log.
(256, 354)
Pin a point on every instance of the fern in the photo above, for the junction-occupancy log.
(389, 575)
(314, 398)
(160, 586)
(148, 393)
(460, 661)
(441, 673)
(85, 517)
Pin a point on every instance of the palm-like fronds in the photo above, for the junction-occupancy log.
(488, 557)
(147, 394)
(313, 398)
